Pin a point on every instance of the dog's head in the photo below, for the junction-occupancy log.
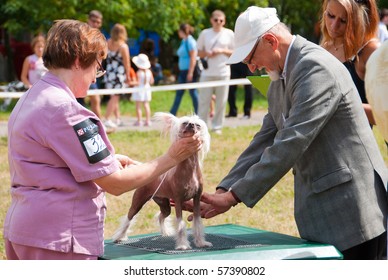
(185, 127)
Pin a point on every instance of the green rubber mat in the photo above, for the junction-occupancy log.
(166, 244)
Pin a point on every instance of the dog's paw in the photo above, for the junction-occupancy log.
(119, 238)
(183, 246)
(202, 244)
(121, 233)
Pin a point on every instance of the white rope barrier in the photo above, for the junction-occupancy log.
(244, 81)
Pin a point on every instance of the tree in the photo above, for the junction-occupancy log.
(160, 16)
(231, 8)
(301, 16)
(20, 17)
(383, 4)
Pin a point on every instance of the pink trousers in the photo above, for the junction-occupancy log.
(20, 252)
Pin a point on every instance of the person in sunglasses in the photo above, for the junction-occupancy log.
(317, 127)
(60, 158)
(215, 44)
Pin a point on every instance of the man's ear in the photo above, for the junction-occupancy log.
(272, 40)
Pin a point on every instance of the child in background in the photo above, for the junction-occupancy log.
(143, 96)
(33, 67)
(156, 69)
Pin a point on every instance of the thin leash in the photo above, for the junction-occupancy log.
(161, 182)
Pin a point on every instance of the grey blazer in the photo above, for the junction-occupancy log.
(316, 125)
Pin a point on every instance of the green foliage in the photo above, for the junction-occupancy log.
(167, 15)
(161, 16)
(35, 16)
(301, 16)
(382, 3)
(29, 17)
(232, 8)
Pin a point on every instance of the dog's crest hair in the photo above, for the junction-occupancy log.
(171, 126)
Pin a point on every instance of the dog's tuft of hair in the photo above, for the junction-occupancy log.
(167, 227)
(124, 229)
(173, 126)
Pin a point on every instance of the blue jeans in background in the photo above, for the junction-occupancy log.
(179, 94)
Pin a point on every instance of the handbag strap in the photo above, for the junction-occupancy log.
(187, 48)
(215, 42)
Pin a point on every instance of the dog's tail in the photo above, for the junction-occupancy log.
(121, 234)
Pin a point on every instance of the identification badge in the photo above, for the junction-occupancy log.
(92, 143)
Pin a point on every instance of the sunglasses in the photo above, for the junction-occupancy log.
(218, 20)
(248, 60)
(96, 21)
(100, 72)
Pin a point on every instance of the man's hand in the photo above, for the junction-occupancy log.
(219, 202)
(211, 204)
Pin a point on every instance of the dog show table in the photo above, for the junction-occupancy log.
(230, 242)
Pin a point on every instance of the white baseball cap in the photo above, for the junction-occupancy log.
(142, 61)
(250, 25)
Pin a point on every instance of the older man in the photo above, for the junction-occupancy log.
(316, 126)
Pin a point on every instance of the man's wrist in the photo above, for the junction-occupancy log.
(235, 197)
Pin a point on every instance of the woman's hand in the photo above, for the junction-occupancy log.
(184, 148)
(189, 76)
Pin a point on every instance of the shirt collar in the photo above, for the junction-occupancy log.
(55, 81)
(284, 73)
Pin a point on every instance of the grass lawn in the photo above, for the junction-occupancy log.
(274, 212)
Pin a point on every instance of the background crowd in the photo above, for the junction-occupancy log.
(214, 104)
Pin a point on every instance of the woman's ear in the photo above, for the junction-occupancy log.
(77, 64)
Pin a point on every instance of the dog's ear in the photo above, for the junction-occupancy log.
(205, 138)
(168, 120)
